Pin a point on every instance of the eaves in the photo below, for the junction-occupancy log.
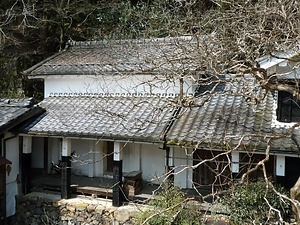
(32, 112)
(137, 139)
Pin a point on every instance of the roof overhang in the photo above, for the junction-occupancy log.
(35, 111)
(4, 161)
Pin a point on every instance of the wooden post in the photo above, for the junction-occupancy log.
(45, 139)
(66, 169)
(117, 188)
(26, 165)
(117, 175)
(66, 177)
(169, 167)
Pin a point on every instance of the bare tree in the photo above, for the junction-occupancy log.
(229, 41)
(222, 56)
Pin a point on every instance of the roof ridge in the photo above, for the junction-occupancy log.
(166, 40)
(113, 94)
(16, 102)
(26, 72)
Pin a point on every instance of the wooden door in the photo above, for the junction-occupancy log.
(249, 161)
(292, 171)
(212, 172)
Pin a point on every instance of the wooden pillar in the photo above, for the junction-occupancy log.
(66, 169)
(117, 175)
(169, 164)
(26, 164)
(45, 139)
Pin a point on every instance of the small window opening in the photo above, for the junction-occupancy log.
(288, 109)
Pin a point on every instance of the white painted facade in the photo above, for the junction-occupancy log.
(13, 187)
(148, 158)
(114, 84)
(12, 154)
(89, 160)
(91, 157)
(182, 160)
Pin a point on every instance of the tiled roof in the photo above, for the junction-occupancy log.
(121, 56)
(16, 111)
(222, 120)
(225, 118)
(108, 117)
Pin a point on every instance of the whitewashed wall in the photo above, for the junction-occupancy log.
(183, 160)
(12, 154)
(136, 156)
(96, 156)
(80, 166)
(153, 163)
(89, 157)
(111, 84)
(132, 157)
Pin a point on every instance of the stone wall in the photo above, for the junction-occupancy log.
(41, 208)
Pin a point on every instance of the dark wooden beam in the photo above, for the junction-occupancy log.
(66, 177)
(45, 154)
(117, 188)
(26, 173)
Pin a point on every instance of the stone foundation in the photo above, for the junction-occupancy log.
(42, 208)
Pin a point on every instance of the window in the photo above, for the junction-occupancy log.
(288, 109)
(207, 83)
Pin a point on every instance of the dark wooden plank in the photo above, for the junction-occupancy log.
(98, 191)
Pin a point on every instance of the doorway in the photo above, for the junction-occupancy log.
(212, 172)
(109, 156)
(292, 171)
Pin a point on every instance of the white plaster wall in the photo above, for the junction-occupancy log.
(153, 163)
(136, 156)
(80, 164)
(97, 157)
(89, 160)
(112, 84)
(54, 151)
(12, 154)
(183, 160)
(126, 151)
(37, 156)
(151, 160)
(131, 157)
(89, 157)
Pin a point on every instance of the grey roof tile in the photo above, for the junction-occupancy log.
(225, 117)
(133, 118)
(101, 57)
(16, 111)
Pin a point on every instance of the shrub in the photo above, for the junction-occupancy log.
(247, 205)
(170, 207)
